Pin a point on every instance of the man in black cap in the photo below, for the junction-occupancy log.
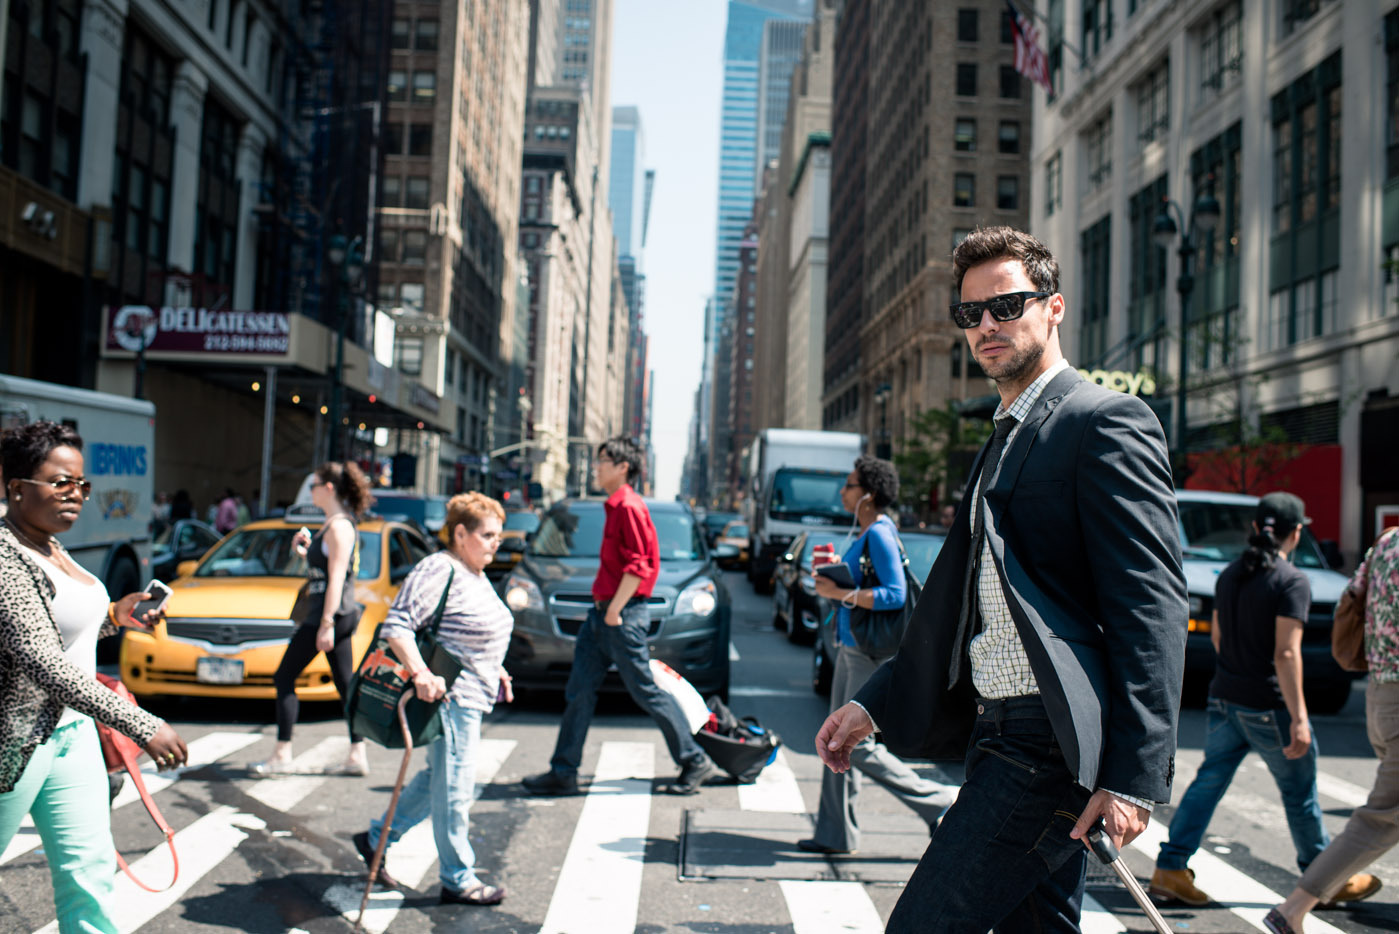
(1261, 602)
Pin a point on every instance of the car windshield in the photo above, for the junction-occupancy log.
(427, 512)
(574, 530)
(522, 521)
(160, 545)
(1219, 532)
(717, 520)
(922, 551)
(798, 494)
(268, 553)
(735, 530)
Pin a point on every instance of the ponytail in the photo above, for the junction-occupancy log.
(351, 485)
(1262, 551)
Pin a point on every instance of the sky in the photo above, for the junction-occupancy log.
(667, 61)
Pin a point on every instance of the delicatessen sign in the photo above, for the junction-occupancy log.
(140, 328)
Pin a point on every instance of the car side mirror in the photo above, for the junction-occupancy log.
(185, 568)
(725, 551)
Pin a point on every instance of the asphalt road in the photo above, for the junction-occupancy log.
(274, 855)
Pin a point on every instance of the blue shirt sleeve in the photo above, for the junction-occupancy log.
(888, 566)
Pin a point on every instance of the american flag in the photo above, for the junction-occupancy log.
(1030, 59)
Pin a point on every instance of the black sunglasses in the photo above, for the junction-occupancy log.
(1005, 307)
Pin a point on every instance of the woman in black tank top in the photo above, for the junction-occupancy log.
(326, 614)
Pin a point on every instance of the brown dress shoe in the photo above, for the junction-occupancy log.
(1177, 885)
(1359, 886)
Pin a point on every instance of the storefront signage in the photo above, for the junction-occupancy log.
(423, 398)
(139, 328)
(1136, 384)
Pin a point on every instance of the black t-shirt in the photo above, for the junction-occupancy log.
(1248, 609)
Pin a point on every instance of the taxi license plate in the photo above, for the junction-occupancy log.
(219, 670)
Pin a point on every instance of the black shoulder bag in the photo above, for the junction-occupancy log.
(878, 633)
(381, 679)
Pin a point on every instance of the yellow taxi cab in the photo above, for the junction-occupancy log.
(735, 534)
(228, 619)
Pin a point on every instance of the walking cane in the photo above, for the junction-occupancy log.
(393, 806)
(1105, 850)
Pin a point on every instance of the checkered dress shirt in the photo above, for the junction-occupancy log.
(1000, 667)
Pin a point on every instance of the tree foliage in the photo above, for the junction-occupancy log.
(936, 452)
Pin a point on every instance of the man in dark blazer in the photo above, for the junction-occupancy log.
(1049, 644)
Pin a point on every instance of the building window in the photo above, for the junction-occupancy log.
(1007, 28)
(1097, 26)
(966, 25)
(398, 86)
(411, 296)
(966, 79)
(388, 244)
(1008, 193)
(1391, 38)
(1154, 104)
(1053, 184)
(1221, 47)
(1297, 12)
(964, 190)
(424, 86)
(420, 139)
(416, 194)
(425, 36)
(392, 136)
(414, 247)
(216, 210)
(1098, 146)
(391, 191)
(1010, 82)
(1146, 293)
(408, 355)
(399, 34)
(1009, 139)
(959, 234)
(965, 135)
(1095, 247)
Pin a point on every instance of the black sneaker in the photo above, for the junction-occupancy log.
(550, 783)
(692, 776)
(366, 853)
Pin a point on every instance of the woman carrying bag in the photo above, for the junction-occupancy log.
(871, 488)
(52, 613)
(475, 628)
(326, 614)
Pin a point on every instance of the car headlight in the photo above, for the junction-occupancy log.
(521, 593)
(698, 599)
(808, 584)
(1197, 607)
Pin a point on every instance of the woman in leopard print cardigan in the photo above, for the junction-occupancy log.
(51, 614)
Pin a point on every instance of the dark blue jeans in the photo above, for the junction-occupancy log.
(1230, 732)
(1001, 859)
(598, 646)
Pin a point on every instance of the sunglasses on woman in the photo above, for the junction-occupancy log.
(63, 485)
(1005, 307)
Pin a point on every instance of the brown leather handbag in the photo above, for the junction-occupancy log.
(1348, 623)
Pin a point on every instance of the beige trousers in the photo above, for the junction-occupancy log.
(1374, 827)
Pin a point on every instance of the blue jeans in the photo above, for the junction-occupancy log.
(64, 788)
(1230, 732)
(445, 789)
(1001, 858)
(598, 646)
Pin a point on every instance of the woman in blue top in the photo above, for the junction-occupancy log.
(869, 491)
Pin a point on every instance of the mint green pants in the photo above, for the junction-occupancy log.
(64, 788)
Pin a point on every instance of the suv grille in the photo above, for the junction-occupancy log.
(230, 631)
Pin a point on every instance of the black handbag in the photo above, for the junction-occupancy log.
(741, 747)
(878, 633)
(381, 679)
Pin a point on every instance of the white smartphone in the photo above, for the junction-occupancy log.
(160, 595)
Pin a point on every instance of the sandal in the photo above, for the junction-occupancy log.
(1277, 923)
(481, 895)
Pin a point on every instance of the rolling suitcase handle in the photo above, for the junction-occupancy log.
(1106, 850)
(393, 805)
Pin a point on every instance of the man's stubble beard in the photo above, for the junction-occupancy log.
(1021, 361)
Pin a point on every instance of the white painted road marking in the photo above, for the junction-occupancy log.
(822, 907)
(776, 789)
(599, 886)
(1098, 920)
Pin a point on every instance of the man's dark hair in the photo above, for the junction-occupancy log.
(23, 449)
(623, 450)
(878, 478)
(992, 243)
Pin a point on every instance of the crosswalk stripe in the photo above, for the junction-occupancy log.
(733, 652)
(413, 854)
(1095, 919)
(776, 789)
(1339, 789)
(754, 691)
(822, 907)
(202, 846)
(306, 774)
(208, 748)
(599, 886)
(1246, 897)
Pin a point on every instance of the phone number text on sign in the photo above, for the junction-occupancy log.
(246, 343)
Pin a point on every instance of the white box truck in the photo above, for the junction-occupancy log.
(796, 478)
(111, 538)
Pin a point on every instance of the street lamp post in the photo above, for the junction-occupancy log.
(348, 259)
(1204, 216)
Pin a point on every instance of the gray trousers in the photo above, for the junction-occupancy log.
(836, 824)
(1374, 827)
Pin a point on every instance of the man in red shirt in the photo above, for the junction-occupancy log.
(615, 633)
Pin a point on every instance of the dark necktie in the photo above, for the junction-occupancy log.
(967, 619)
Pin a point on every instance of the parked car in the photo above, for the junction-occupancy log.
(550, 593)
(795, 606)
(734, 535)
(714, 523)
(428, 510)
(1214, 530)
(180, 541)
(922, 548)
(229, 616)
(519, 525)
